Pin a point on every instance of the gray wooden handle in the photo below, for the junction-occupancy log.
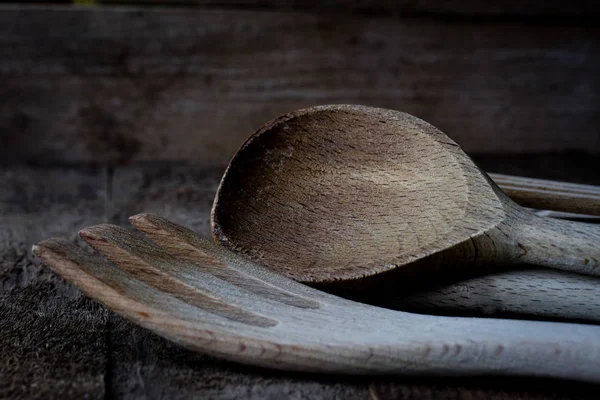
(562, 244)
(538, 293)
(550, 195)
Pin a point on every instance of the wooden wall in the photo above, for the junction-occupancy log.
(112, 84)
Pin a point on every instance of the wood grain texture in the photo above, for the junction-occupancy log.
(336, 194)
(573, 167)
(550, 195)
(527, 293)
(340, 336)
(192, 85)
(146, 365)
(52, 341)
(566, 215)
(183, 193)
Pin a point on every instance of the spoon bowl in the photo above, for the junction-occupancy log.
(345, 192)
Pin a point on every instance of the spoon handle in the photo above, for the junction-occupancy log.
(537, 292)
(555, 243)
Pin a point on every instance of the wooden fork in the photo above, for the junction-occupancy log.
(194, 292)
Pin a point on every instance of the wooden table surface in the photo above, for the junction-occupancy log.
(57, 343)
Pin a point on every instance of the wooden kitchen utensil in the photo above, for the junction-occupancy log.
(550, 195)
(202, 296)
(531, 293)
(352, 194)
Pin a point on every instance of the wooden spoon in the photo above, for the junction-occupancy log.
(356, 194)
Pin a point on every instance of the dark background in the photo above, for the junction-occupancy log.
(116, 108)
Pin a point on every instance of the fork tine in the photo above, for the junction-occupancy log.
(147, 306)
(139, 257)
(187, 246)
(103, 281)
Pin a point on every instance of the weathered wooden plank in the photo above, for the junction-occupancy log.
(123, 85)
(52, 341)
(181, 193)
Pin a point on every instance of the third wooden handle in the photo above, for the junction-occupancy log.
(550, 195)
